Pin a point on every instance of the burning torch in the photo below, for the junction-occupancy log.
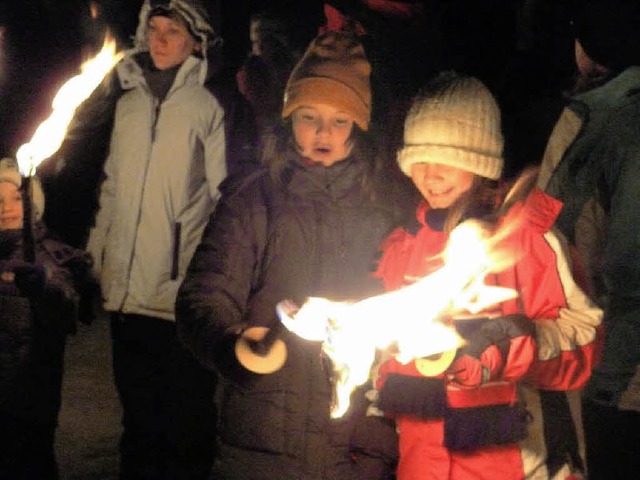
(409, 321)
(49, 135)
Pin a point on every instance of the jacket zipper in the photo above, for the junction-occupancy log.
(176, 250)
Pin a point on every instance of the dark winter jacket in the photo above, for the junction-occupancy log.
(33, 328)
(592, 165)
(316, 234)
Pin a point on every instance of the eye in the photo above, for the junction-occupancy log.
(306, 116)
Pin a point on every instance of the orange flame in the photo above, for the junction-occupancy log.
(51, 132)
(408, 319)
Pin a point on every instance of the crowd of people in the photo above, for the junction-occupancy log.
(339, 167)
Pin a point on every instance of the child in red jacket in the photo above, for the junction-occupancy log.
(503, 409)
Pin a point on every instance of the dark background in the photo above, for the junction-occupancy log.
(521, 48)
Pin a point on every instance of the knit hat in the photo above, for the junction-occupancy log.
(9, 173)
(192, 11)
(456, 121)
(609, 31)
(334, 71)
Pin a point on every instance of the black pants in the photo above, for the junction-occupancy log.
(613, 442)
(167, 399)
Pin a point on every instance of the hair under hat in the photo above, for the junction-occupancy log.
(192, 12)
(609, 32)
(334, 71)
(455, 121)
(9, 173)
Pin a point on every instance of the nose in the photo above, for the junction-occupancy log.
(158, 37)
(323, 127)
(432, 172)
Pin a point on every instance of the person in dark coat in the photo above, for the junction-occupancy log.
(308, 223)
(38, 306)
(591, 164)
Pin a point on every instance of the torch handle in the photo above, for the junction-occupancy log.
(263, 346)
(28, 243)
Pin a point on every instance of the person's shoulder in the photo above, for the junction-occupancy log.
(247, 185)
(615, 97)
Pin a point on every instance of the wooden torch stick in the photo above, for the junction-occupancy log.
(28, 244)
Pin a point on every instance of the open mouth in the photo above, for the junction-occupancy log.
(322, 150)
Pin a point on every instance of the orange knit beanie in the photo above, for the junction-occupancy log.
(334, 71)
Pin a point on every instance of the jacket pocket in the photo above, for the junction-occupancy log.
(175, 255)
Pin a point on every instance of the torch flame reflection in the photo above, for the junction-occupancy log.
(409, 319)
(51, 132)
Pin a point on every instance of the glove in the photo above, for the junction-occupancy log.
(483, 357)
(471, 370)
(30, 278)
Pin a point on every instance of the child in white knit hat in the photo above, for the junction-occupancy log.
(501, 407)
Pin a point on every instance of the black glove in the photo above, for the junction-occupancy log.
(30, 278)
(477, 363)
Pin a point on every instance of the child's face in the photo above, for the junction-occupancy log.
(441, 185)
(170, 43)
(322, 133)
(10, 206)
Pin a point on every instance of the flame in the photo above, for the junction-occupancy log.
(51, 132)
(411, 319)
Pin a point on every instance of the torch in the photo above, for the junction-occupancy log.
(28, 243)
(410, 321)
(51, 132)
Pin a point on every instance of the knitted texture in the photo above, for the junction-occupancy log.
(334, 71)
(455, 123)
(9, 173)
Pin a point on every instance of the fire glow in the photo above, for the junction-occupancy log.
(410, 321)
(51, 132)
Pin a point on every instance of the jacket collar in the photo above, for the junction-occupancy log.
(130, 71)
(611, 93)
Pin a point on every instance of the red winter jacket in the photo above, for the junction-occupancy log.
(519, 424)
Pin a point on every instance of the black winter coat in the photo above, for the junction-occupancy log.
(33, 329)
(317, 234)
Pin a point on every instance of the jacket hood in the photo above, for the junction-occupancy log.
(193, 12)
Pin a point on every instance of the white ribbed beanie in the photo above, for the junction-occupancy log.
(456, 122)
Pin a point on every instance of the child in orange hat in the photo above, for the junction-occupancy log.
(309, 223)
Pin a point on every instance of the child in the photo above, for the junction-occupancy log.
(309, 222)
(502, 409)
(38, 304)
